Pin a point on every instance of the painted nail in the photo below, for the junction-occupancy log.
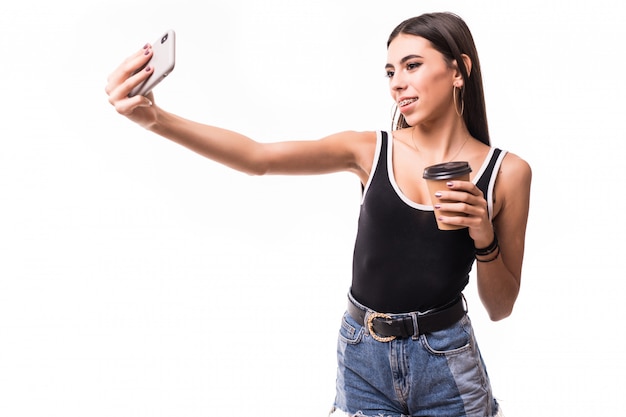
(147, 51)
(148, 69)
(437, 206)
(146, 46)
(438, 194)
(449, 184)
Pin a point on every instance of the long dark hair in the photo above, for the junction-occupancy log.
(449, 35)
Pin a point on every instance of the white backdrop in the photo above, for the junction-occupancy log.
(138, 279)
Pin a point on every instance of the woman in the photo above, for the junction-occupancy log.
(406, 346)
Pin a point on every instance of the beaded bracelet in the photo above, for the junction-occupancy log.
(489, 249)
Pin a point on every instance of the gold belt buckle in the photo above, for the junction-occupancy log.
(370, 327)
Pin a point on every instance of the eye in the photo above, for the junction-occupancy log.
(389, 73)
(413, 65)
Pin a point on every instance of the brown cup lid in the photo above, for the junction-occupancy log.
(447, 170)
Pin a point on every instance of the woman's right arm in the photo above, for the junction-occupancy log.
(346, 151)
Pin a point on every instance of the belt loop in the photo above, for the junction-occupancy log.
(365, 321)
(416, 328)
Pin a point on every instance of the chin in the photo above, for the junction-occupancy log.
(413, 120)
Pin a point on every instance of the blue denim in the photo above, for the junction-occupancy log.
(440, 374)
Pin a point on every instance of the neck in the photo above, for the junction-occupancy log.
(442, 141)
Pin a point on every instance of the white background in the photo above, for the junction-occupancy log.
(139, 279)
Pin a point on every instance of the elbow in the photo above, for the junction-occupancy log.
(254, 171)
(500, 315)
(253, 166)
(248, 169)
(256, 164)
(499, 303)
(500, 312)
(499, 308)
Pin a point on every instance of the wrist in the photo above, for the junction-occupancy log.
(490, 257)
(490, 249)
(156, 124)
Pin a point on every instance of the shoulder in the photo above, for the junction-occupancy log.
(515, 170)
(353, 141)
(352, 136)
(360, 145)
(512, 186)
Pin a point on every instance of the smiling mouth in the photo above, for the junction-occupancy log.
(407, 102)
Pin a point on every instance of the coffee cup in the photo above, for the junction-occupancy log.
(437, 176)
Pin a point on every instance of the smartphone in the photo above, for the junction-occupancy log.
(162, 62)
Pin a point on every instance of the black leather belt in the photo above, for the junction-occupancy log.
(385, 327)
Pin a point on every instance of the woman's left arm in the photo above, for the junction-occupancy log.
(499, 271)
(499, 274)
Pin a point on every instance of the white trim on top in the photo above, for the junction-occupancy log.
(379, 139)
(407, 200)
(492, 182)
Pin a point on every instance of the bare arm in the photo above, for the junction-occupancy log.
(499, 279)
(338, 152)
(346, 151)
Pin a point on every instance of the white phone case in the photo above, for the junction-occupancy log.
(162, 61)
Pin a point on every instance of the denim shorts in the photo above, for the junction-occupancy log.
(436, 374)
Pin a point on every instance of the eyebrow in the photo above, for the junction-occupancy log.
(403, 60)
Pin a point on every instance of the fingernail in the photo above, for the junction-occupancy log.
(438, 194)
(449, 184)
(148, 69)
(147, 51)
(146, 46)
(437, 206)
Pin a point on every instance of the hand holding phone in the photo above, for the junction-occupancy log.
(162, 61)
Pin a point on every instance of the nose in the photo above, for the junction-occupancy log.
(397, 82)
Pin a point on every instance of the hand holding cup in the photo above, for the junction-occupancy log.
(437, 176)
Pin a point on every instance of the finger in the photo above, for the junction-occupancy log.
(130, 66)
(128, 105)
(449, 196)
(121, 91)
(477, 211)
(466, 186)
(454, 220)
(468, 218)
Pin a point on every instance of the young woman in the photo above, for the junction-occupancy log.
(406, 346)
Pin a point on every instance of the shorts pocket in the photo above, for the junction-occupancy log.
(350, 332)
(453, 340)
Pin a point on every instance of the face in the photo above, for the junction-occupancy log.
(420, 80)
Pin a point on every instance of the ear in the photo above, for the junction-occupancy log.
(458, 77)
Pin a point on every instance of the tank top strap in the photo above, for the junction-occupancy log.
(379, 164)
(487, 180)
(384, 147)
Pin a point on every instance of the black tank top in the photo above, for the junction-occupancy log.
(402, 261)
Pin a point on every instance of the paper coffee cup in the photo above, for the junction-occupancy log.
(437, 176)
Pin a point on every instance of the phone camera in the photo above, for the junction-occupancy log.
(164, 38)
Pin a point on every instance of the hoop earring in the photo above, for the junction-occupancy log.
(456, 106)
(394, 112)
(397, 120)
(394, 116)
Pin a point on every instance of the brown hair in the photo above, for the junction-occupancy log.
(449, 35)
